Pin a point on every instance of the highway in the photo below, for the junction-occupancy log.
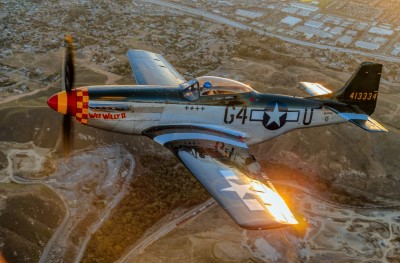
(235, 24)
(141, 245)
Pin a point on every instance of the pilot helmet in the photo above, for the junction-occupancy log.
(207, 85)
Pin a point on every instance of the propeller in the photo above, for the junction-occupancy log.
(68, 79)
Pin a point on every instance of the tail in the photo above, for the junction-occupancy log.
(362, 88)
(359, 95)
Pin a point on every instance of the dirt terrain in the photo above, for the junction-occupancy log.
(341, 157)
(327, 233)
(29, 214)
(344, 155)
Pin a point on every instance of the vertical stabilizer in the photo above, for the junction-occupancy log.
(362, 88)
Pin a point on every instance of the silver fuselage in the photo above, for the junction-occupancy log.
(253, 116)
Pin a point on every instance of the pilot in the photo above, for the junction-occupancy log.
(207, 89)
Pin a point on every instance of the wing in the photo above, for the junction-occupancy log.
(153, 69)
(224, 166)
(314, 89)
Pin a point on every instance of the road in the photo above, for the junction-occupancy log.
(235, 24)
(308, 192)
(105, 215)
(121, 179)
(141, 245)
(20, 96)
(20, 180)
(334, 228)
(65, 183)
(323, 217)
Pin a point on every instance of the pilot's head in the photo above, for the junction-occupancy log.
(207, 85)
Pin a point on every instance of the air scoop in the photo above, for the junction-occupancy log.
(63, 102)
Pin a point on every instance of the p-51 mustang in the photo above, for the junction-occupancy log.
(208, 123)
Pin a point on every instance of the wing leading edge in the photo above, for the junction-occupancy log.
(153, 69)
(224, 166)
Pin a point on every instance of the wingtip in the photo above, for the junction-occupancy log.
(267, 226)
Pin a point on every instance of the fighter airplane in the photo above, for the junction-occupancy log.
(209, 122)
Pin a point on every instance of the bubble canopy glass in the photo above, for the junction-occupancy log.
(191, 89)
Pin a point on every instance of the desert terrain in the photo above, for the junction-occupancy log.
(345, 156)
(340, 181)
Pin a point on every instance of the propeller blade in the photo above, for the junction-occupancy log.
(68, 79)
(63, 84)
(68, 70)
(67, 135)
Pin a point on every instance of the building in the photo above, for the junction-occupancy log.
(367, 45)
(310, 32)
(345, 40)
(347, 23)
(249, 14)
(380, 31)
(351, 33)
(314, 24)
(225, 3)
(290, 10)
(337, 30)
(258, 24)
(317, 16)
(305, 7)
(396, 50)
(361, 26)
(291, 20)
(380, 40)
(304, 13)
(333, 20)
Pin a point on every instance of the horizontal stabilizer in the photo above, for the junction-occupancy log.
(364, 121)
(314, 89)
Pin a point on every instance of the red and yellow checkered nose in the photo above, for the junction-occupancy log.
(75, 103)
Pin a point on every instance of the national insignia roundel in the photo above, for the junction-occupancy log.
(275, 115)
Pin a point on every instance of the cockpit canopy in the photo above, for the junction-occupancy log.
(195, 88)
